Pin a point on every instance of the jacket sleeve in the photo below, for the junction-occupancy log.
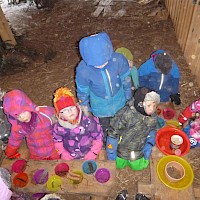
(150, 142)
(62, 152)
(143, 73)
(82, 84)
(14, 142)
(125, 75)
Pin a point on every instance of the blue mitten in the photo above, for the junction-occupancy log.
(111, 148)
(150, 142)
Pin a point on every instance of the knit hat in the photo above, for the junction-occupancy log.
(126, 52)
(144, 94)
(163, 62)
(63, 98)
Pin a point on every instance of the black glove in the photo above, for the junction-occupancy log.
(175, 98)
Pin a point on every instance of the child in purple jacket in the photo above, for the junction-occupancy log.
(76, 135)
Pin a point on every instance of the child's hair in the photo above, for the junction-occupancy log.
(63, 98)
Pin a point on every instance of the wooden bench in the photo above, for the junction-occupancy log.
(157, 190)
(89, 186)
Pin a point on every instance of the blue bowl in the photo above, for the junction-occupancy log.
(89, 167)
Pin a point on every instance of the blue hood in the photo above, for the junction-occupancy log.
(96, 49)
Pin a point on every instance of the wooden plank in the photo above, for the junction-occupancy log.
(176, 12)
(5, 31)
(159, 190)
(89, 185)
(192, 48)
(182, 18)
(177, 20)
(187, 22)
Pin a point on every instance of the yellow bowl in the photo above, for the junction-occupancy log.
(182, 184)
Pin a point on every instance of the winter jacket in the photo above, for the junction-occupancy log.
(82, 140)
(40, 140)
(164, 85)
(191, 115)
(104, 90)
(131, 128)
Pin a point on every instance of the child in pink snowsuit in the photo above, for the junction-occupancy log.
(191, 117)
(29, 122)
(76, 135)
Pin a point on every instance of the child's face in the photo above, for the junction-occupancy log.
(149, 107)
(69, 113)
(24, 116)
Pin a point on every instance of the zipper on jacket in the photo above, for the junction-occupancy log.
(161, 82)
(108, 75)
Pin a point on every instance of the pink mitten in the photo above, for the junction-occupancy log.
(61, 151)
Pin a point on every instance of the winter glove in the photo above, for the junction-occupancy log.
(111, 148)
(86, 111)
(11, 152)
(150, 142)
(175, 98)
(61, 151)
(95, 149)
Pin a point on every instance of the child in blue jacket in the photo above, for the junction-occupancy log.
(161, 74)
(102, 78)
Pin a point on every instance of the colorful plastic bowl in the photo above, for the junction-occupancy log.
(181, 184)
(163, 141)
(102, 175)
(89, 166)
(20, 180)
(62, 169)
(41, 176)
(174, 171)
(168, 113)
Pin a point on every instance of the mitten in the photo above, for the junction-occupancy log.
(61, 151)
(185, 115)
(111, 148)
(175, 98)
(90, 156)
(150, 142)
(11, 152)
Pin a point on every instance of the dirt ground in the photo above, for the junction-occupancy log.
(46, 54)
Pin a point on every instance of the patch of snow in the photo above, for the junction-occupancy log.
(18, 15)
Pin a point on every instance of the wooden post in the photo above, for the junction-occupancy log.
(5, 31)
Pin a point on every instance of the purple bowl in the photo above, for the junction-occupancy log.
(41, 176)
(102, 175)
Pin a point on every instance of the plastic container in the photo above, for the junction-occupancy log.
(163, 141)
(62, 169)
(174, 171)
(102, 175)
(182, 184)
(89, 166)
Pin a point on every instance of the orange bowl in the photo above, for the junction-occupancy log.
(163, 141)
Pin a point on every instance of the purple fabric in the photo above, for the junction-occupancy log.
(79, 141)
(29, 127)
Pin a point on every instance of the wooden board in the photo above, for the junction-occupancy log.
(5, 31)
(159, 190)
(89, 185)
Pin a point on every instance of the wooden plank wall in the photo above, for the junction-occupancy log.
(185, 15)
(5, 31)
